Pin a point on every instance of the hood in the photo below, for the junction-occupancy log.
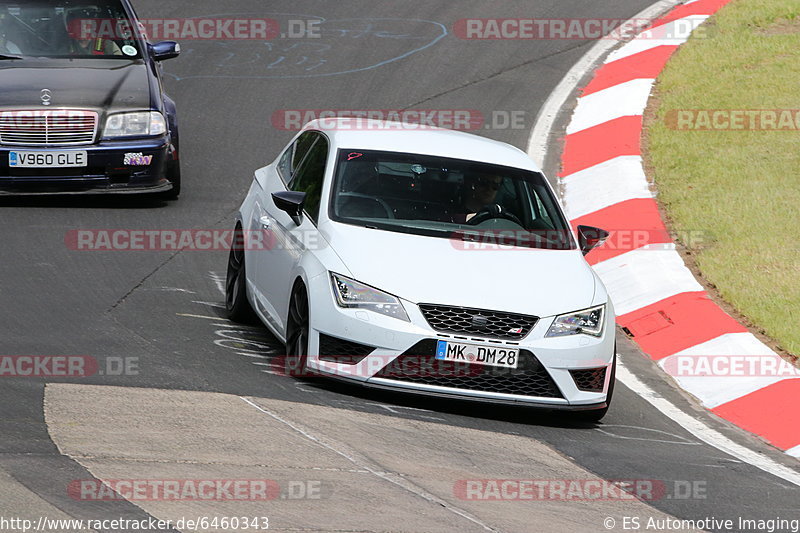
(440, 271)
(101, 84)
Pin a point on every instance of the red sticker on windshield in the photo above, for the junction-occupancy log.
(353, 155)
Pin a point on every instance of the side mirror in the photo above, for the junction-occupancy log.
(292, 203)
(165, 50)
(590, 238)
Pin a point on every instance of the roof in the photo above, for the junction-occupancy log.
(368, 134)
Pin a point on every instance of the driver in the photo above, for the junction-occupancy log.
(85, 44)
(479, 191)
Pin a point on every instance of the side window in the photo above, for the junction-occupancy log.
(301, 147)
(542, 213)
(294, 155)
(308, 178)
(285, 163)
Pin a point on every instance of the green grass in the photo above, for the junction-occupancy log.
(741, 189)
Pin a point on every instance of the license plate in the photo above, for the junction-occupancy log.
(477, 355)
(70, 159)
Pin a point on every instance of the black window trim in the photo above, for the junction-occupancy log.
(292, 147)
(287, 185)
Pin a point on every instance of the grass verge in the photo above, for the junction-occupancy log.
(733, 189)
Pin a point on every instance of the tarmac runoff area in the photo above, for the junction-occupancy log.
(325, 469)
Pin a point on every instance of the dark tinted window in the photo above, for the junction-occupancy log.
(308, 177)
(435, 196)
(68, 28)
(301, 147)
(293, 156)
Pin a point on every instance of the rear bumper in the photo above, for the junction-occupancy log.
(106, 171)
(113, 189)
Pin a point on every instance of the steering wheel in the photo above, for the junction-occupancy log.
(493, 211)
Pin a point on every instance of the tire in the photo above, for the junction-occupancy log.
(236, 302)
(596, 415)
(174, 166)
(297, 330)
(174, 177)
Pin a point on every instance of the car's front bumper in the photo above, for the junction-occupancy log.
(393, 340)
(106, 171)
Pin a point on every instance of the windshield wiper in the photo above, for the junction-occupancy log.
(4, 57)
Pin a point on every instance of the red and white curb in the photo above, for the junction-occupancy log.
(656, 297)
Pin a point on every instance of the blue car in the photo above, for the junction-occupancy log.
(82, 106)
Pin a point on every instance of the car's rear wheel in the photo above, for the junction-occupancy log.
(297, 330)
(596, 415)
(236, 303)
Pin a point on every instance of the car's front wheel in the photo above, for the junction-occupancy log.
(174, 177)
(236, 303)
(297, 330)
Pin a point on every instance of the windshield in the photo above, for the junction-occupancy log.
(67, 28)
(451, 198)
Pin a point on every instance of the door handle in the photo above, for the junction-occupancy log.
(265, 221)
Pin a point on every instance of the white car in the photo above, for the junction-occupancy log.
(424, 260)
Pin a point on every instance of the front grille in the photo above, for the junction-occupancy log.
(590, 380)
(419, 365)
(47, 128)
(335, 350)
(493, 324)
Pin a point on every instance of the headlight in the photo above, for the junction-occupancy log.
(587, 322)
(140, 124)
(352, 294)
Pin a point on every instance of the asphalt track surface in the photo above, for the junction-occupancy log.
(160, 307)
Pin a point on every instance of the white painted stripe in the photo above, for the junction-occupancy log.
(201, 316)
(626, 99)
(539, 141)
(674, 33)
(645, 276)
(794, 452)
(714, 391)
(704, 432)
(219, 280)
(603, 185)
